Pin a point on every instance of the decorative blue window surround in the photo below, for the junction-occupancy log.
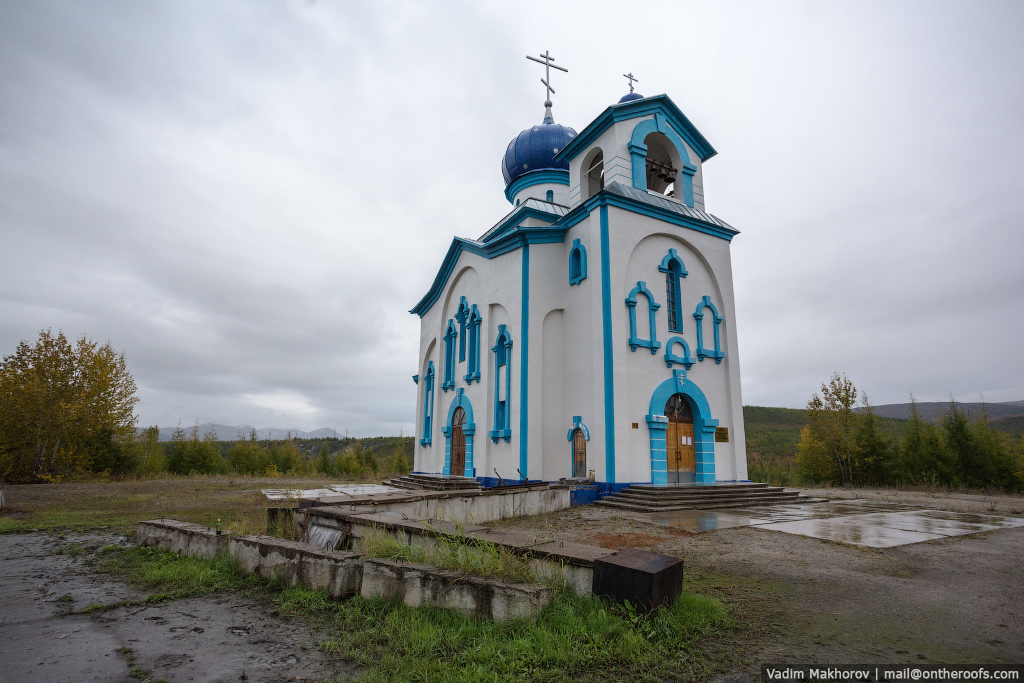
(449, 356)
(634, 340)
(685, 359)
(502, 390)
(674, 269)
(473, 327)
(550, 195)
(428, 405)
(702, 352)
(462, 317)
(468, 431)
(577, 263)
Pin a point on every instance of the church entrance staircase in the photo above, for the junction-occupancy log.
(433, 482)
(650, 498)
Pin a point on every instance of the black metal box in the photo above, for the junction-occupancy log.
(647, 580)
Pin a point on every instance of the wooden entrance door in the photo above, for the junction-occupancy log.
(579, 454)
(679, 447)
(458, 467)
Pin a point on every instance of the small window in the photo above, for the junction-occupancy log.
(449, 356)
(551, 195)
(577, 263)
(428, 405)
(502, 385)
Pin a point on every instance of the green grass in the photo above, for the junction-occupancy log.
(472, 557)
(14, 526)
(573, 639)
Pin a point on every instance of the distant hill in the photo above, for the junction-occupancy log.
(231, 433)
(931, 410)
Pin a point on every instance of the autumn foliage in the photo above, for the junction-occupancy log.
(65, 409)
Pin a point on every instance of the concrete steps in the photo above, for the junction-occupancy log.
(433, 482)
(649, 498)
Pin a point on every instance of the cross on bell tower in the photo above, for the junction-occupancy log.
(548, 65)
(629, 77)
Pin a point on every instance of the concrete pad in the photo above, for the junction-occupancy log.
(852, 530)
(859, 522)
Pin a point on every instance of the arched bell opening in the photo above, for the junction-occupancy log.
(662, 164)
(592, 174)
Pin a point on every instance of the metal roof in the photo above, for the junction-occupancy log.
(667, 203)
(531, 205)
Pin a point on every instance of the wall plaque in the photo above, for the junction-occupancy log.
(722, 434)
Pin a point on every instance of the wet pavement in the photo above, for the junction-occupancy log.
(858, 522)
(332, 490)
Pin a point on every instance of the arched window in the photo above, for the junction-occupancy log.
(592, 174)
(702, 352)
(672, 357)
(428, 405)
(473, 328)
(674, 270)
(502, 386)
(635, 340)
(449, 356)
(462, 317)
(577, 263)
(551, 195)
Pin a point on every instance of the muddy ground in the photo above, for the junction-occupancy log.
(954, 601)
(796, 600)
(218, 638)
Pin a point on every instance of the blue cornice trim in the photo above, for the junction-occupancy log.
(609, 378)
(559, 177)
(659, 104)
(603, 198)
(515, 239)
(513, 221)
(524, 368)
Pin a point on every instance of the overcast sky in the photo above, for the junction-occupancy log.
(247, 197)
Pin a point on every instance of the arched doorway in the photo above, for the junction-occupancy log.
(458, 466)
(679, 447)
(703, 426)
(579, 454)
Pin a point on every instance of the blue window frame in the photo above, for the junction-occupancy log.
(473, 329)
(674, 270)
(577, 263)
(502, 350)
(702, 352)
(428, 405)
(449, 356)
(551, 195)
(635, 340)
(462, 317)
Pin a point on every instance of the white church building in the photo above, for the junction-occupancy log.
(592, 330)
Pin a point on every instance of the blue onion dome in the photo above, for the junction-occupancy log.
(535, 148)
(629, 97)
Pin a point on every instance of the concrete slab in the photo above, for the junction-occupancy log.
(852, 530)
(859, 522)
(333, 489)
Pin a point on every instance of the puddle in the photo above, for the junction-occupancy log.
(332, 490)
(859, 522)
